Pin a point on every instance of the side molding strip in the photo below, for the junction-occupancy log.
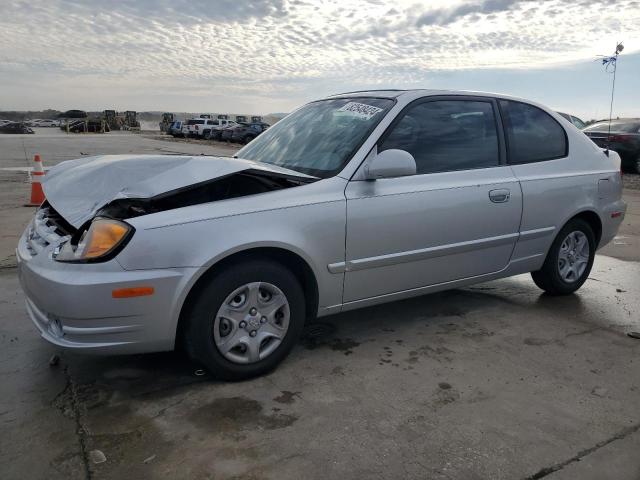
(421, 254)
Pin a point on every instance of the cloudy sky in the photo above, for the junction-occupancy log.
(272, 55)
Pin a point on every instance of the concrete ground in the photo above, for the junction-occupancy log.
(495, 381)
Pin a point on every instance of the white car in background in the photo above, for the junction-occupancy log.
(46, 123)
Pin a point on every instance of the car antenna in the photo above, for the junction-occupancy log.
(611, 64)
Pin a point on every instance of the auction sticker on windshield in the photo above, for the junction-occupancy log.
(360, 110)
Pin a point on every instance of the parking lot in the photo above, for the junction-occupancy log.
(494, 381)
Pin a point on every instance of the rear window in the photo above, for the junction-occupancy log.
(532, 134)
(195, 122)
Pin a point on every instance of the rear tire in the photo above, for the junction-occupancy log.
(569, 260)
(227, 338)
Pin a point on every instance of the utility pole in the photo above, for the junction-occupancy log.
(611, 64)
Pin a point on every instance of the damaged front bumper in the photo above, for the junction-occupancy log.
(72, 304)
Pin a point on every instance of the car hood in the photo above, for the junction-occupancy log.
(78, 189)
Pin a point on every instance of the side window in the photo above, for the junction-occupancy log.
(446, 135)
(532, 134)
(578, 123)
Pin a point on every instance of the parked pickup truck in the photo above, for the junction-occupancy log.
(198, 127)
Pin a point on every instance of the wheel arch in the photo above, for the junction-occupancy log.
(588, 215)
(292, 260)
(594, 221)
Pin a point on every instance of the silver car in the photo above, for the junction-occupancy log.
(350, 201)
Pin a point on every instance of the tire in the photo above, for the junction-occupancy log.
(636, 165)
(247, 139)
(567, 265)
(218, 342)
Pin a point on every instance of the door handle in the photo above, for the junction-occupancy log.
(500, 196)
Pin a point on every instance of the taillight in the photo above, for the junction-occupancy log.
(620, 138)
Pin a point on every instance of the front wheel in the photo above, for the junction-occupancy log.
(569, 260)
(246, 320)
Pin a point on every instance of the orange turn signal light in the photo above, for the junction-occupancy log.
(132, 292)
(103, 236)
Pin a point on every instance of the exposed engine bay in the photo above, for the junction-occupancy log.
(248, 182)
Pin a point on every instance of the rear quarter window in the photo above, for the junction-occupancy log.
(532, 134)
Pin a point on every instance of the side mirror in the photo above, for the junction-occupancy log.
(389, 164)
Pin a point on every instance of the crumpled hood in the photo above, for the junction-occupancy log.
(78, 189)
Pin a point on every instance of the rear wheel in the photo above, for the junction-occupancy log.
(569, 260)
(246, 320)
(636, 164)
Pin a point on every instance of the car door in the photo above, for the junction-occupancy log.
(458, 217)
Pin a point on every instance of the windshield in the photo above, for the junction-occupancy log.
(627, 127)
(319, 138)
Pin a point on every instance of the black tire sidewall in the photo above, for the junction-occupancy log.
(202, 313)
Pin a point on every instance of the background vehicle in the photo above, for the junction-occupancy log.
(243, 132)
(119, 120)
(72, 114)
(175, 129)
(246, 133)
(89, 125)
(47, 123)
(573, 119)
(15, 127)
(198, 127)
(165, 123)
(216, 130)
(624, 139)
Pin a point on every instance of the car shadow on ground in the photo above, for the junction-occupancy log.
(151, 374)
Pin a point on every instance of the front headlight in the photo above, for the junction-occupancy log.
(104, 238)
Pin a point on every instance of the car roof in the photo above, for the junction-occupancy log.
(619, 120)
(425, 92)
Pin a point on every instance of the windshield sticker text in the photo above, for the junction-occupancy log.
(360, 110)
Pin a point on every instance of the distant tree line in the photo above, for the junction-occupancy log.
(17, 116)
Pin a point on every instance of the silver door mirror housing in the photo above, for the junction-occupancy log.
(389, 164)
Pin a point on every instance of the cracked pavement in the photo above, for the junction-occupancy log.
(494, 381)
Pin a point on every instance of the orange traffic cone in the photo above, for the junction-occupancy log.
(37, 194)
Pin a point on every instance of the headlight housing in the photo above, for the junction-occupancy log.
(102, 241)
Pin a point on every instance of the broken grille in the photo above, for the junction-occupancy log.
(47, 228)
